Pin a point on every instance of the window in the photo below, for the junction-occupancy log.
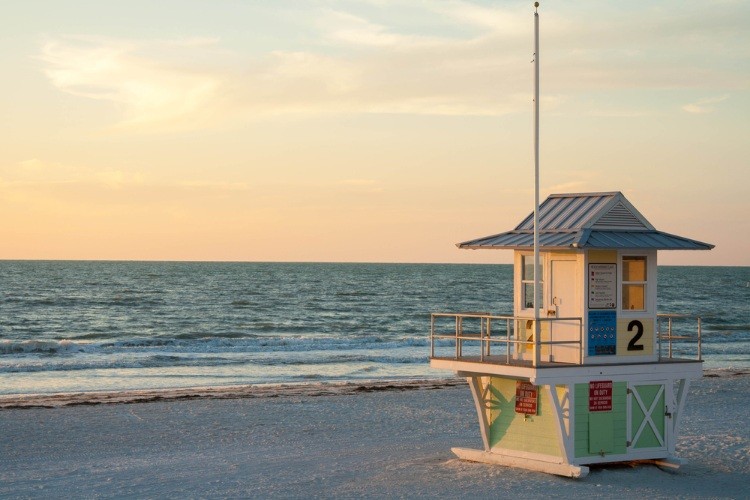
(634, 280)
(527, 280)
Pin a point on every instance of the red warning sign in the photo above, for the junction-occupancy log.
(526, 398)
(600, 395)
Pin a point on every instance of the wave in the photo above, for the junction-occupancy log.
(109, 363)
(39, 346)
(356, 294)
(175, 360)
(197, 344)
(730, 328)
(224, 335)
(127, 299)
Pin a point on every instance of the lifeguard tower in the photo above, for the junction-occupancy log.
(585, 370)
(602, 381)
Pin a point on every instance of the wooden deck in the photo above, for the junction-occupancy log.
(548, 372)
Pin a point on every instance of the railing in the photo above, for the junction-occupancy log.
(507, 337)
(674, 321)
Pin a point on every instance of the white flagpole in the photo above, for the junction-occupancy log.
(537, 288)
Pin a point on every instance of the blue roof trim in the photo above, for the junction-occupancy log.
(654, 240)
(644, 239)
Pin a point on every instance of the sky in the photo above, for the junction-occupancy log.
(363, 130)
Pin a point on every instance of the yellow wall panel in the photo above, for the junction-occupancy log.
(602, 256)
(515, 431)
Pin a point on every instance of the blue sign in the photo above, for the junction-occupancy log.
(602, 333)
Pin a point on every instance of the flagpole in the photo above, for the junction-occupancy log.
(537, 288)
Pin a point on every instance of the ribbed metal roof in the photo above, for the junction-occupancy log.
(579, 211)
(587, 220)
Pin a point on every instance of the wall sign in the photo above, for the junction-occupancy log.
(527, 396)
(602, 333)
(600, 395)
(602, 286)
(635, 336)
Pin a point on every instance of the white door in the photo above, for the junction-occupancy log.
(563, 304)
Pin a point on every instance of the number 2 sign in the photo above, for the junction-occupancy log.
(635, 337)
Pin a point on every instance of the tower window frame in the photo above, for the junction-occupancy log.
(527, 281)
(634, 283)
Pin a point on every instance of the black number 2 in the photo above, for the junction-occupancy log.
(632, 346)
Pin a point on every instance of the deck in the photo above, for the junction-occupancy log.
(483, 344)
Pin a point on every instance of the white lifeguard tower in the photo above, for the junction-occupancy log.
(585, 370)
(602, 382)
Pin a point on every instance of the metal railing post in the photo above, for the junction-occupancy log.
(481, 339)
(507, 341)
(458, 337)
(489, 334)
(669, 337)
(700, 354)
(432, 335)
(658, 337)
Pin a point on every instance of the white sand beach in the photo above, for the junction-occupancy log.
(338, 440)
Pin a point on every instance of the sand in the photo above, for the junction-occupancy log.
(372, 440)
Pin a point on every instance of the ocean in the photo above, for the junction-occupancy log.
(70, 326)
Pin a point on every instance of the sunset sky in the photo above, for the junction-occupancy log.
(368, 131)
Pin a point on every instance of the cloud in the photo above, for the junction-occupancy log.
(452, 58)
(703, 106)
(358, 182)
(215, 186)
(36, 172)
(342, 27)
(493, 19)
(40, 183)
(150, 90)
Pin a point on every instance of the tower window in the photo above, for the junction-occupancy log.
(527, 280)
(634, 280)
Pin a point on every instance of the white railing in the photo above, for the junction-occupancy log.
(505, 333)
(669, 333)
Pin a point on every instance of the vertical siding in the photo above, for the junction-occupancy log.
(514, 431)
(619, 419)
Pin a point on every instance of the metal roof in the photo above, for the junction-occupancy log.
(587, 220)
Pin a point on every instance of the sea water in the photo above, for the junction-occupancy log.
(102, 326)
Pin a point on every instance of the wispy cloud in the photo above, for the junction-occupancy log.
(149, 91)
(36, 173)
(342, 27)
(358, 182)
(361, 61)
(704, 106)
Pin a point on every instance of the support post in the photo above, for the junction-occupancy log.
(479, 402)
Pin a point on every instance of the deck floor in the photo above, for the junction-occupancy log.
(502, 360)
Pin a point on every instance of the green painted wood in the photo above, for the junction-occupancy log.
(648, 394)
(601, 433)
(582, 437)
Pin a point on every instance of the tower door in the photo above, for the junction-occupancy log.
(647, 415)
(563, 304)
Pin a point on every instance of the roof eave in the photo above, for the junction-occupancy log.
(515, 247)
